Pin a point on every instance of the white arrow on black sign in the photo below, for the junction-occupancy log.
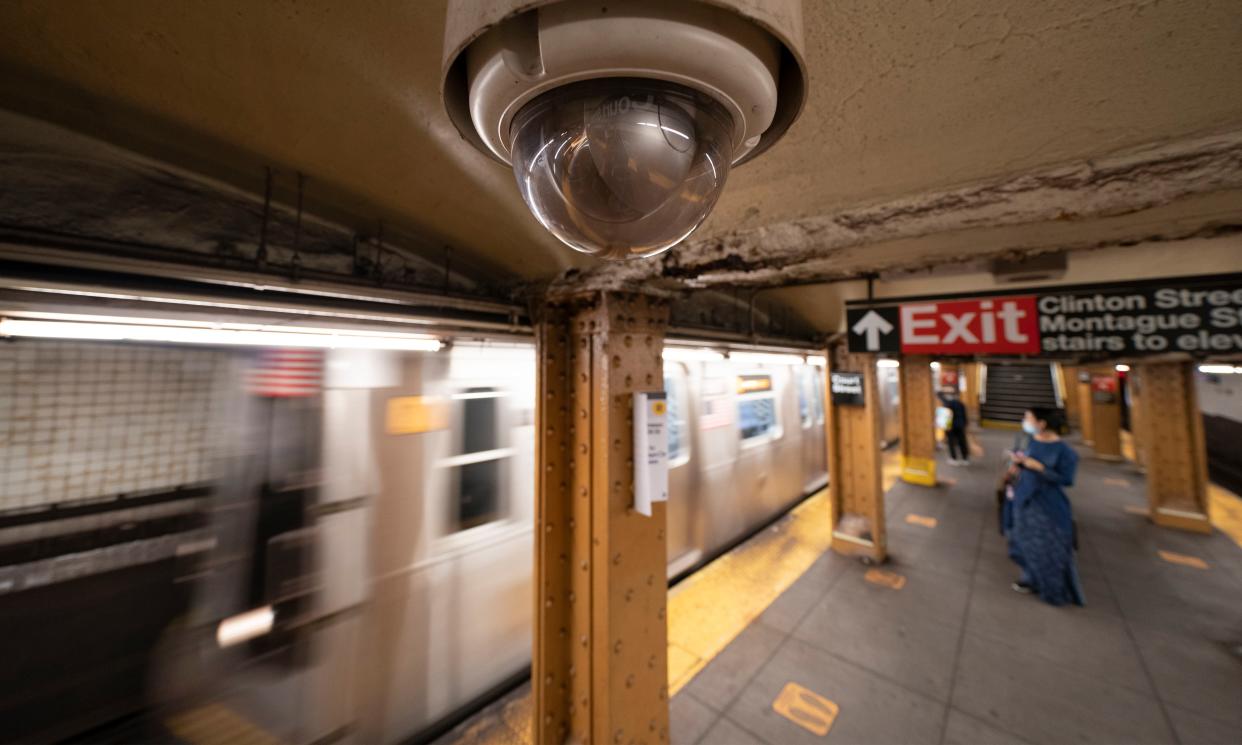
(873, 326)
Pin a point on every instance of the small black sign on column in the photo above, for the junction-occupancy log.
(847, 389)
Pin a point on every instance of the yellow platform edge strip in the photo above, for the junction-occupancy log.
(711, 608)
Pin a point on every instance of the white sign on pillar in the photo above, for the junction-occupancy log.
(650, 451)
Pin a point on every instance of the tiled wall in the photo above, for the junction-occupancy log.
(81, 420)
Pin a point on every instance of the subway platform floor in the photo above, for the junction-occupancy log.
(937, 648)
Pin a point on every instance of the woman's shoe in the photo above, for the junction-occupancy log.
(1022, 587)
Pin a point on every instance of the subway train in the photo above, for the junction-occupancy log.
(328, 545)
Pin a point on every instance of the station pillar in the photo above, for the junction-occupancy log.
(1138, 428)
(1067, 376)
(918, 421)
(1086, 411)
(600, 656)
(855, 489)
(1105, 401)
(1173, 447)
(970, 394)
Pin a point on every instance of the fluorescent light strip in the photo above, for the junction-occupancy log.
(769, 358)
(817, 360)
(221, 334)
(1220, 370)
(887, 363)
(1122, 368)
(688, 354)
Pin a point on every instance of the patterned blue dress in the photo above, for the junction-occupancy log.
(1041, 540)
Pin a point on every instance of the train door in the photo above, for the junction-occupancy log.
(811, 420)
(757, 472)
(682, 550)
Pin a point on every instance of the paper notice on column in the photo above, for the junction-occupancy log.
(650, 451)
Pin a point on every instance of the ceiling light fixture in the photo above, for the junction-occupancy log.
(223, 334)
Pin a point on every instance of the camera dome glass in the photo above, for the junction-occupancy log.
(619, 167)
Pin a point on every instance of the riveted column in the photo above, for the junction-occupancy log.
(1069, 384)
(1105, 390)
(600, 648)
(853, 437)
(970, 394)
(1138, 423)
(918, 427)
(1174, 450)
(1086, 412)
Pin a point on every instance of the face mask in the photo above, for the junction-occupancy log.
(1029, 428)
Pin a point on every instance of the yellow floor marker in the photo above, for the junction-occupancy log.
(926, 522)
(806, 708)
(885, 578)
(1122, 483)
(1136, 510)
(1187, 561)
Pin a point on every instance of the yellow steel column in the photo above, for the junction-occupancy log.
(1138, 424)
(1105, 412)
(599, 671)
(970, 396)
(1086, 412)
(1174, 452)
(1069, 384)
(918, 425)
(853, 438)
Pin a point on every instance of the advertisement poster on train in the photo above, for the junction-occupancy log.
(650, 451)
(1198, 316)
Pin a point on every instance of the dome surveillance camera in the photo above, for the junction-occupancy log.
(621, 120)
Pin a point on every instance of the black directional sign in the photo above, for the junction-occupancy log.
(1198, 316)
(847, 389)
(874, 329)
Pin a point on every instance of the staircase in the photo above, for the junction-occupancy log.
(1012, 388)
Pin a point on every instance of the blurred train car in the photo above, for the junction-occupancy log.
(449, 615)
(347, 557)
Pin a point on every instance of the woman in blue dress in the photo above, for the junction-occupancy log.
(1041, 536)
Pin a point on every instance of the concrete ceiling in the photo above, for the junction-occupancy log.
(914, 107)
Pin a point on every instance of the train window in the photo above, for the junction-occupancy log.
(817, 394)
(756, 407)
(476, 492)
(678, 427)
(806, 412)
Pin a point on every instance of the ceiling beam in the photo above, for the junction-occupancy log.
(1116, 200)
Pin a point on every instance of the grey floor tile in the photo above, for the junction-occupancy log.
(872, 709)
(1215, 618)
(1096, 644)
(689, 718)
(945, 555)
(963, 729)
(724, 677)
(1045, 702)
(725, 732)
(1193, 673)
(1196, 729)
(927, 594)
(788, 610)
(916, 651)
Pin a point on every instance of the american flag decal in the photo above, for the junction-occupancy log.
(287, 373)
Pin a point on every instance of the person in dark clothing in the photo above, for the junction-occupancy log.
(955, 435)
(1041, 537)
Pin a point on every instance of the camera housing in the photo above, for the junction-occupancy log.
(621, 120)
